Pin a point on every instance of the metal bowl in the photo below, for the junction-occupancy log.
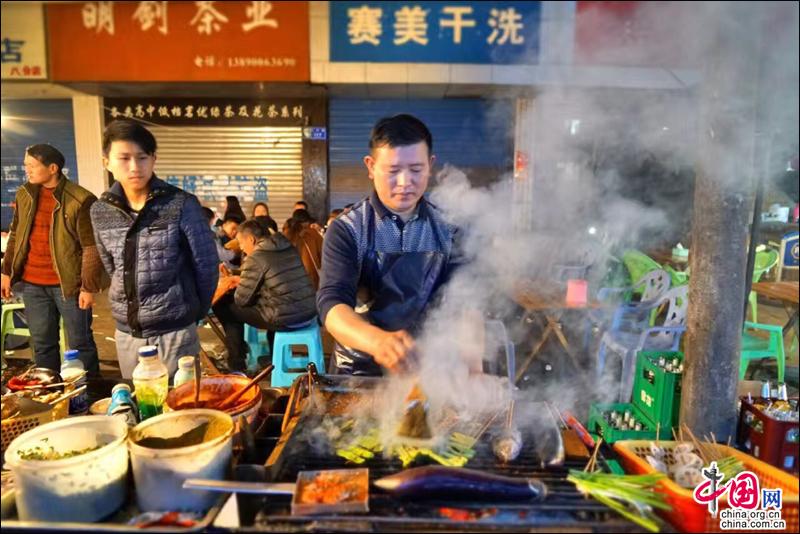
(214, 389)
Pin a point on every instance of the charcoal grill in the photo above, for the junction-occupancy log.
(564, 510)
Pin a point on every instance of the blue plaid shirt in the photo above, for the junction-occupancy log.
(346, 245)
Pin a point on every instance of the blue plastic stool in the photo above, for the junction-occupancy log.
(259, 345)
(287, 365)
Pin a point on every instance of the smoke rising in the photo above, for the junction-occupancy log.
(603, 169)
(608, 169)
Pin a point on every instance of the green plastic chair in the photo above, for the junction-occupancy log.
(758, 348)
(765, 260)
(678, 278)
(8, 328)
(639, 264)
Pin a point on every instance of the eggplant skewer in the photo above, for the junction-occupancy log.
(458, 482)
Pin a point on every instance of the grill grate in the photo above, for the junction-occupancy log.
(564, 508)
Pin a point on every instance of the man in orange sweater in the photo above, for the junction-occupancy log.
(51, 255)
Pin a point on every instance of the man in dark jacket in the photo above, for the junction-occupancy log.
(156, 244)
(52, 257)
(274, 291)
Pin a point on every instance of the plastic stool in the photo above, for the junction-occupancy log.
(8, 329)
(756, 348)
(287, 365)
(259, 345)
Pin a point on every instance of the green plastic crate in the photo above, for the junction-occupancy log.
(656, 401)
(656, 392)
(599, 426)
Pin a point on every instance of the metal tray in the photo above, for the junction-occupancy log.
(118, 522)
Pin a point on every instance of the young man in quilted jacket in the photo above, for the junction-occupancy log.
(52, 260)
(156, 245)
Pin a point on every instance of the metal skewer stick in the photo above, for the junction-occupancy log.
(510, 416)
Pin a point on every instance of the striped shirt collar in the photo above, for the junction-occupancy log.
(383, 212)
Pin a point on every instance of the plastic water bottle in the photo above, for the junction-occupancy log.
(70, 370)
(185, 371)
(122, 404)
(151, 380)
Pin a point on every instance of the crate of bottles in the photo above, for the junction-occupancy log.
(768, 429)
(655, 401)
(617, 421)
(657, 387)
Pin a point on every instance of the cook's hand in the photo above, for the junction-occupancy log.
(6, 289)
(393, 348)
(85, 300)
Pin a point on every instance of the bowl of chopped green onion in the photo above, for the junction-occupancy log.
(70, 470)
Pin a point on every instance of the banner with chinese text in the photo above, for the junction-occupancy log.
(209, 111)
(435, 32)
(178, 41)
(24, 56)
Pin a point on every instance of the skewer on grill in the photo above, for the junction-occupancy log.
(508, 444)
(415, 418)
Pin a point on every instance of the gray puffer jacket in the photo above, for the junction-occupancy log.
(163, 263)
(274, 279)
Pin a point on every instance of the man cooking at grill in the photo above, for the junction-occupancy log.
(383, 261)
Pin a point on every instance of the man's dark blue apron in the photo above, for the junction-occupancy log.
(400, 286)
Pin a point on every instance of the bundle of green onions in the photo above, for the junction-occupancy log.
(631, 496)
(730, 466)
(455, 453)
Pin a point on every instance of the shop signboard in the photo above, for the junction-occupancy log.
(435, 32)
(178, 41)
(24, 56)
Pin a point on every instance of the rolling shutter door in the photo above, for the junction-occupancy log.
(257, 164)
(473, 134)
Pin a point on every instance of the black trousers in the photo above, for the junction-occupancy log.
(233, 318)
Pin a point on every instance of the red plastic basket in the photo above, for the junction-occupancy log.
(766, 438)
(689, 516)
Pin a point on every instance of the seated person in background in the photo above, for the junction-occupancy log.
(260, 210)
(229, 253)
(229, 228)
(233, 210)
(225, 255)
(307, 241)
(267, 222)
(272, 293)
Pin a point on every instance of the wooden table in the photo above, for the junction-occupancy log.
(546, 300)
(786, 292)
(666, 258)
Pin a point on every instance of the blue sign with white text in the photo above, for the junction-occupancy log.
(435, 32)
(315, 133)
